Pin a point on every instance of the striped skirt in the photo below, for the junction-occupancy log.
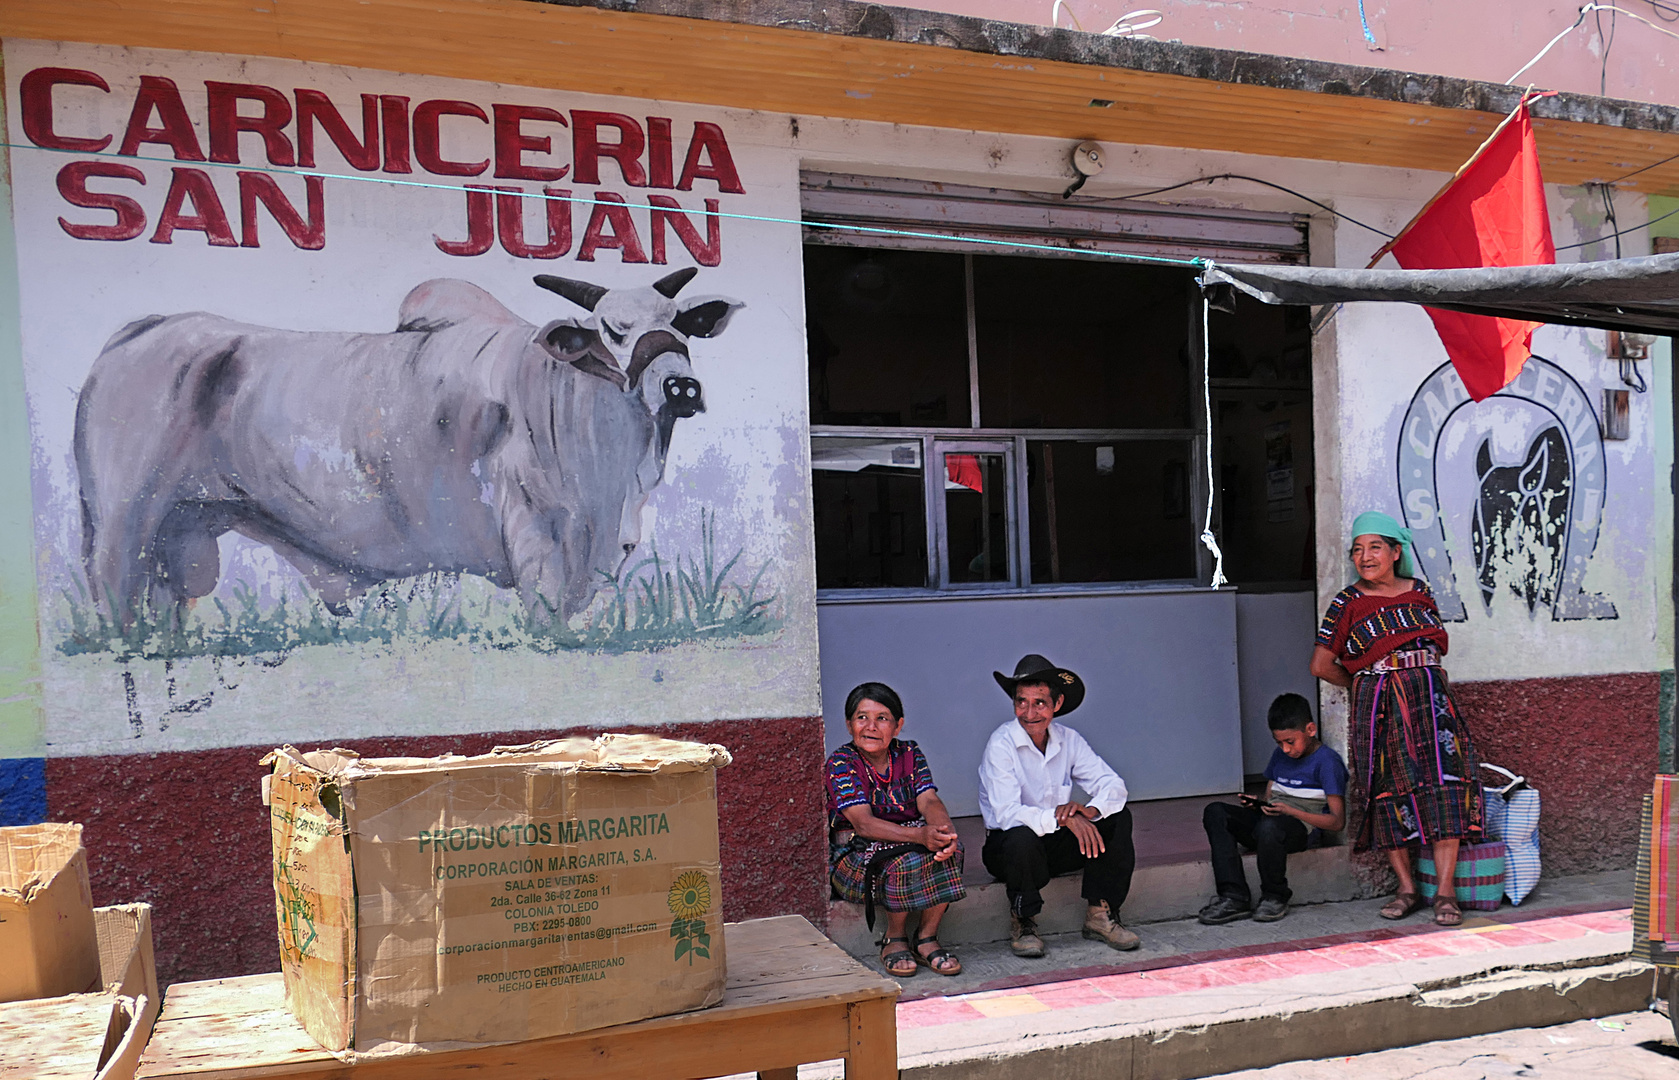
(1414, 763)
(913, 881)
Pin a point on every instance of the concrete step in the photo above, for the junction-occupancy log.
(1160, 892)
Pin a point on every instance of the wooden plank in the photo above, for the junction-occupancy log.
(787, 70)
(716, 1048)
(48, 1038)
(789, 1000)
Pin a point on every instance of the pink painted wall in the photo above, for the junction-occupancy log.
(1472, 39)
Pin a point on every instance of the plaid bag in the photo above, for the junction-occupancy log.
(1513, 817)
(1479, 877)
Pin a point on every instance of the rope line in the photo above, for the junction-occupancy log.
(590, 200)
(1207, 537)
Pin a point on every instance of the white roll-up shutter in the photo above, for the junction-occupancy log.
(876, 212)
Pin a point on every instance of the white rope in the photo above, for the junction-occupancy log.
(1585, 10)
(1207, 537)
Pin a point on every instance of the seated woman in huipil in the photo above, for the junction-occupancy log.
(890, 835)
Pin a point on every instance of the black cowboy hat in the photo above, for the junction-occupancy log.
(1035, 668)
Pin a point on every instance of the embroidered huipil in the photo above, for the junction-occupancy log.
(1361, 629)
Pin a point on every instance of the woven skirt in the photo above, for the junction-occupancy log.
(1414, 762)
(913, 881)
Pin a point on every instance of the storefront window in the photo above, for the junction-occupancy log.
(871, 524)
(1085, 464)
(1109, 510)
(977, 497)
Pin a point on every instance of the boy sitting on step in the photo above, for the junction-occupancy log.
(1306, 790)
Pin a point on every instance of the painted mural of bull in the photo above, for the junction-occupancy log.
(467, 441)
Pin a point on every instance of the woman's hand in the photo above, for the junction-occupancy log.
(940, 840)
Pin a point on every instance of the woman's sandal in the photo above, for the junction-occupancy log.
(894, 962)
(1447, 912)
(1402, 905)
(932, 960)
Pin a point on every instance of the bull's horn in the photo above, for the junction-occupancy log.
(581, 293)
(671, 284)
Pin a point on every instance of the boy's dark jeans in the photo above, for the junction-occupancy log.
(1272, 837)
(1024, 862)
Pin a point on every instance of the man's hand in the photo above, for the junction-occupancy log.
(940, 840)
(1068, 810)
(1090, 841)
(1279, 810)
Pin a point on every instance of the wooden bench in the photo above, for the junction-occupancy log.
(792, 997)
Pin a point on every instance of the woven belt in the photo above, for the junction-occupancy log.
(1399, 660)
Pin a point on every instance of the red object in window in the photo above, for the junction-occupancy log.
(1492, 213)
(964, 469)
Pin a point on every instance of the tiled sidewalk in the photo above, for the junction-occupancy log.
(1239, 965)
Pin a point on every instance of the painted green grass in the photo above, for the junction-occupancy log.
(653, 604)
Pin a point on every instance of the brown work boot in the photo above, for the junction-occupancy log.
(1023, 937)
(1100, 925)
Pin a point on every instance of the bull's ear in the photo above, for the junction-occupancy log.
(705, 317)
(581, 293)
(567, 341)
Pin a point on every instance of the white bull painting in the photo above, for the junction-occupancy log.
(466, 441)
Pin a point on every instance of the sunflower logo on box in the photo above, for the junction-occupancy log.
(689, 900)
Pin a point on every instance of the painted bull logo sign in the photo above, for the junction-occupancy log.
(1534, 521)
(466, 441)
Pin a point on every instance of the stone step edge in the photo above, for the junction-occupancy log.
(1189, 1047)
(1162, 893)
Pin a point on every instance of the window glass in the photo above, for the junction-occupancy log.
(1110, 511)
(1079, 343)
(976, 507)
(888, 337)
(871, 521)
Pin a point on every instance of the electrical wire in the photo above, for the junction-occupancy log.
(1588, 9)
(1618, 234)
(1256, 180)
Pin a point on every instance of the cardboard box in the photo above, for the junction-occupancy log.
(46, 913)
(95, 1036)
(533, 891)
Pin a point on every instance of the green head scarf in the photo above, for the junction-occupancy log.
(1374, 523)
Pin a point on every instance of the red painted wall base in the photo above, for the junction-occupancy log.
(1588, 744)
(188, 834)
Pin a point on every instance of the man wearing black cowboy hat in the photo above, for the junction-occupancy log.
(1034, 829)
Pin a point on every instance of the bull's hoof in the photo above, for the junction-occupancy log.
(337, 607)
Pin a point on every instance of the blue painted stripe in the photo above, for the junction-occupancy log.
(23, 791)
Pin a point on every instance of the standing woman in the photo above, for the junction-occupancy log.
(1409, 744)
(887, 824)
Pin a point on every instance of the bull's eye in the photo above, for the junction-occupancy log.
(612, 335)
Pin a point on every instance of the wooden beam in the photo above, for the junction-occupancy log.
(782, 70)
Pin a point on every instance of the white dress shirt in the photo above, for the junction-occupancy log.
(1020, 786)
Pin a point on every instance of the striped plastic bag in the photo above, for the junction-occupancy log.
(1513, 817)
(1479, 879)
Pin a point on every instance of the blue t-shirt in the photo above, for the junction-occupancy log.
(1306, 783)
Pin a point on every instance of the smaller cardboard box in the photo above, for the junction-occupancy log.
(94, 1036)
(533, 891)
(47, 936)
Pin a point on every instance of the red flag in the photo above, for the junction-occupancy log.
(964, 469)
(1492, 213)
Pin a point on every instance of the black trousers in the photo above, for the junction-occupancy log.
(1024, 862)
(1272, 837)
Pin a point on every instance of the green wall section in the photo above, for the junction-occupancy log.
(21, 734)
(1659, 205)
